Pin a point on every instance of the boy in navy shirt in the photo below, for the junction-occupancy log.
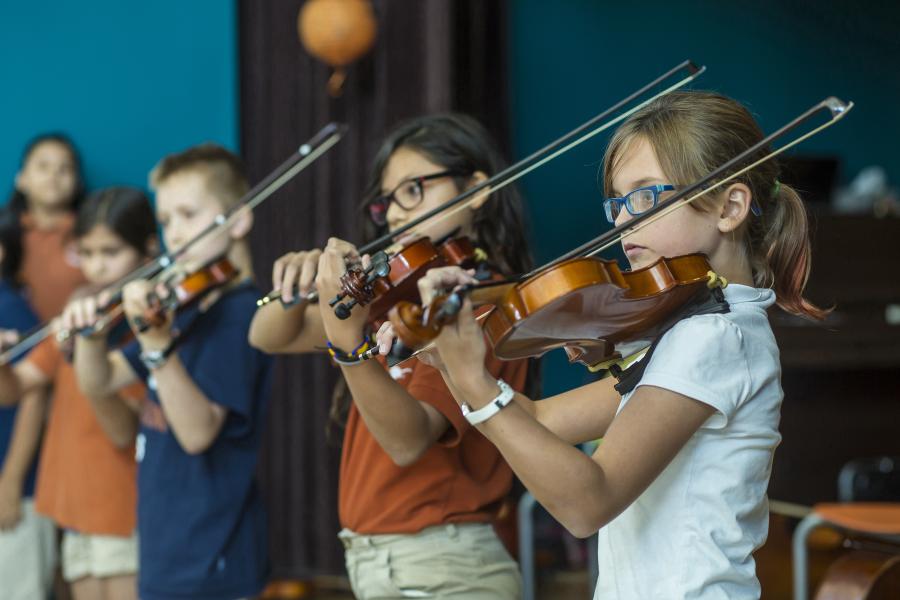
(200, 518)
(27, 540)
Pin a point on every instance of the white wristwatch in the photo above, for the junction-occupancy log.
(484, 413)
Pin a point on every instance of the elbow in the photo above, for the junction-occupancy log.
(121, 441)
(262, 342)
(406, 456)
(195, 445)
(255, 339)
(582, 528)
(583, 521)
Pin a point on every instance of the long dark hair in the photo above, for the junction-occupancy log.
(18, 203)
(461, 144)
(11, 242)
(124, 210)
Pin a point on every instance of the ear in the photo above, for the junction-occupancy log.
(242, 225)
(735, 208)
(477, 178)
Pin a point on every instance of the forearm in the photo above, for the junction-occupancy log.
(117, 419)
(568, 483)
(399, 422)
(26, 437)
(93, 367)
(276, 329)
(194, 419)
(526, 403)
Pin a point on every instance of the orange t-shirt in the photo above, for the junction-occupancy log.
(49, 266)
(461, 479)
(84, 482)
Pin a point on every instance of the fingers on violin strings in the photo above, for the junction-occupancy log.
(289, 278)
(346, 249)
(308, 272)
(278, 272)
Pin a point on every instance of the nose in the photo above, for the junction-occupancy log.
(396, 215)
(623, 217)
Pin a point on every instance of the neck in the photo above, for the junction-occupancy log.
(731, 261)
(240, 257)
(47, 217)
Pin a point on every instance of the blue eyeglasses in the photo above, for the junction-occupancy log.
(643, 199)
(635, 202)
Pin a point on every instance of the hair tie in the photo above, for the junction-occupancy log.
(777, 189)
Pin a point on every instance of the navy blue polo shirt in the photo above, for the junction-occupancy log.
(201, 525)
(14, 314)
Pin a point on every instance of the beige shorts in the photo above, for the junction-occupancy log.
(465, 561)
(27, 557)
(85, 555)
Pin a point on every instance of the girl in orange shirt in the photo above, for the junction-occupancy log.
(419, 488)
(86, 480)
(48, 189)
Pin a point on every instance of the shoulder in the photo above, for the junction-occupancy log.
(237, 306)
(15, 313)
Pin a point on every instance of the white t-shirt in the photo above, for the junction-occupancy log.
(692, 533)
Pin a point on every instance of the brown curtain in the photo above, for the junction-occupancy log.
(430, 55)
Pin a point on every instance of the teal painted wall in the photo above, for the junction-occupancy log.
(572, 58)
(129, 81)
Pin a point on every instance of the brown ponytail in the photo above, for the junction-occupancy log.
(780, 251)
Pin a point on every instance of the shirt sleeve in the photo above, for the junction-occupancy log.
(229, 371)
(704, 358)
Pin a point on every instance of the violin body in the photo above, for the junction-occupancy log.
(187, 290)
(586, 305)
(590, 306)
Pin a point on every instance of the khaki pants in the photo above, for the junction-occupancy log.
(27, 557)
(447, 561)
(89, 555)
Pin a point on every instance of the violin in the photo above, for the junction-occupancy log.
(186, 290)
(587, 305)
(392, 279)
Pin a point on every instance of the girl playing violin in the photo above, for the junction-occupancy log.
(677, 487)
(86, 479)
(418, 487)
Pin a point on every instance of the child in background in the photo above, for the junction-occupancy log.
(48, 190)
(27, 540)
(86, 481)
(200, 519)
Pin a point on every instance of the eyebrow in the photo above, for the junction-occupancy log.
(643, 182)
(401, 182)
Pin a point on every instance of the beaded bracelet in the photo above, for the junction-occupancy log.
(359, 354)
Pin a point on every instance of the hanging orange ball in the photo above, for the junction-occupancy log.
(337, 32)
